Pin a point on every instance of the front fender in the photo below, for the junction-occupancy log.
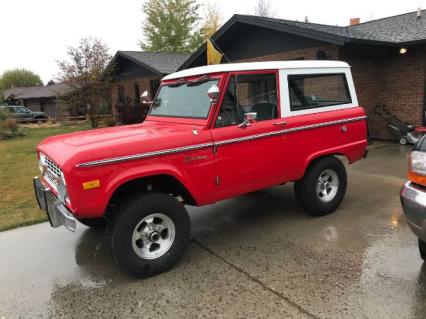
(138, 172)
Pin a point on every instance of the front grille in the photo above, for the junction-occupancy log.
(53, 172)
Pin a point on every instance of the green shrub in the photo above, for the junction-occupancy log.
(9, 124)
(131, 112)
(3, 116)
(9, 129)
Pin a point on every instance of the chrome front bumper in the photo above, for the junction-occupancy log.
(413, 200)
(57, 213)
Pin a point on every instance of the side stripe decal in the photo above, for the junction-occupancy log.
(219, 143)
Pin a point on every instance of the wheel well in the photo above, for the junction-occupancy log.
(315, 159)
(159, 183)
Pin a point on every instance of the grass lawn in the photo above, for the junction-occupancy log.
(18, 166)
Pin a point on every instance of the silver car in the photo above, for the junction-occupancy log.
(413, 194)
(23, 114)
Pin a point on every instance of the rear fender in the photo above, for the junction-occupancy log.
(353, 152)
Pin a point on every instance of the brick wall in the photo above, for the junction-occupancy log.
(381, 76)
(129, 88)
(332, 52)
(384, 77)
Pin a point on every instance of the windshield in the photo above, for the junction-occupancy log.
(21, 109)
(184, 99)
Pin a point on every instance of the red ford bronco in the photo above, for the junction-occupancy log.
(212, 133)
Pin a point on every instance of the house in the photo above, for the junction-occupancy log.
(44, 98)
(135, 72)
(388, 56)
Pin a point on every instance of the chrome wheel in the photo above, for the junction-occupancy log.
(153, 236)
(327, 185)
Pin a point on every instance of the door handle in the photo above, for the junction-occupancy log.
(281, 123)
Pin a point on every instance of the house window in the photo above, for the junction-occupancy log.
(249, 93)
(137, 93)
(321, 55)
(120, 94)
(317, 90)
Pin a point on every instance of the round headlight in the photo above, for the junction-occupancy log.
(42, 166)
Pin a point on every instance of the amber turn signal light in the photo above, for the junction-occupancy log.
(91, 184)
(416, 178)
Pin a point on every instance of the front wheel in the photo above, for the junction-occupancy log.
(97, 223)
(149, 234)
(422, 249)
(323, 187)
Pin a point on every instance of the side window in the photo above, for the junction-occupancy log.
(10, 110)
(228, 109)
(309, 91)
(249, 93)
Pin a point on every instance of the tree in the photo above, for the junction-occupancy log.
(263, 9)
(18, 78)
(170, 26)
(86, 74)
(212, 22)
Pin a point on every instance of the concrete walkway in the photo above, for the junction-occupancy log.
(256, 256)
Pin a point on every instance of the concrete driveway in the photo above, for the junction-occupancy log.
(258, 255)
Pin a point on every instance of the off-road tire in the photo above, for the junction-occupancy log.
(135, 209)
(422, 249)
(306, 189)
(96, 223)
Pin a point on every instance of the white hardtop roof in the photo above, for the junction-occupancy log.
(252, 66)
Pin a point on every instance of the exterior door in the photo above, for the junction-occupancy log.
(248, 157)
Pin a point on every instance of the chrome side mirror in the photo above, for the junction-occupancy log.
(249, 118)
(213, 93)
(144, 98)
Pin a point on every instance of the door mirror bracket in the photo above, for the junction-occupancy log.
(249, 118)
(144, 98)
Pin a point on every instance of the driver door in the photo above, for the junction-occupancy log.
(249, 157)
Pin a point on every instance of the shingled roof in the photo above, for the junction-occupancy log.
(401, 29)
(157, 62)
(36, 92)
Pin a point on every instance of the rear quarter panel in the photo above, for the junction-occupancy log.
(338, 129)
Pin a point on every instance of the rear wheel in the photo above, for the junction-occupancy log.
(323, 187)
(149, 234)
(422, 249)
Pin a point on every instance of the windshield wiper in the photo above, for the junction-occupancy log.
(199, 81)
(178, 83)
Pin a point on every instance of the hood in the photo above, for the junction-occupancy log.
(75, 148)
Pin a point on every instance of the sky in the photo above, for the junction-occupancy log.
(34, 34)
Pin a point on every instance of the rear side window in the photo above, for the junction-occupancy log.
(309, 91)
